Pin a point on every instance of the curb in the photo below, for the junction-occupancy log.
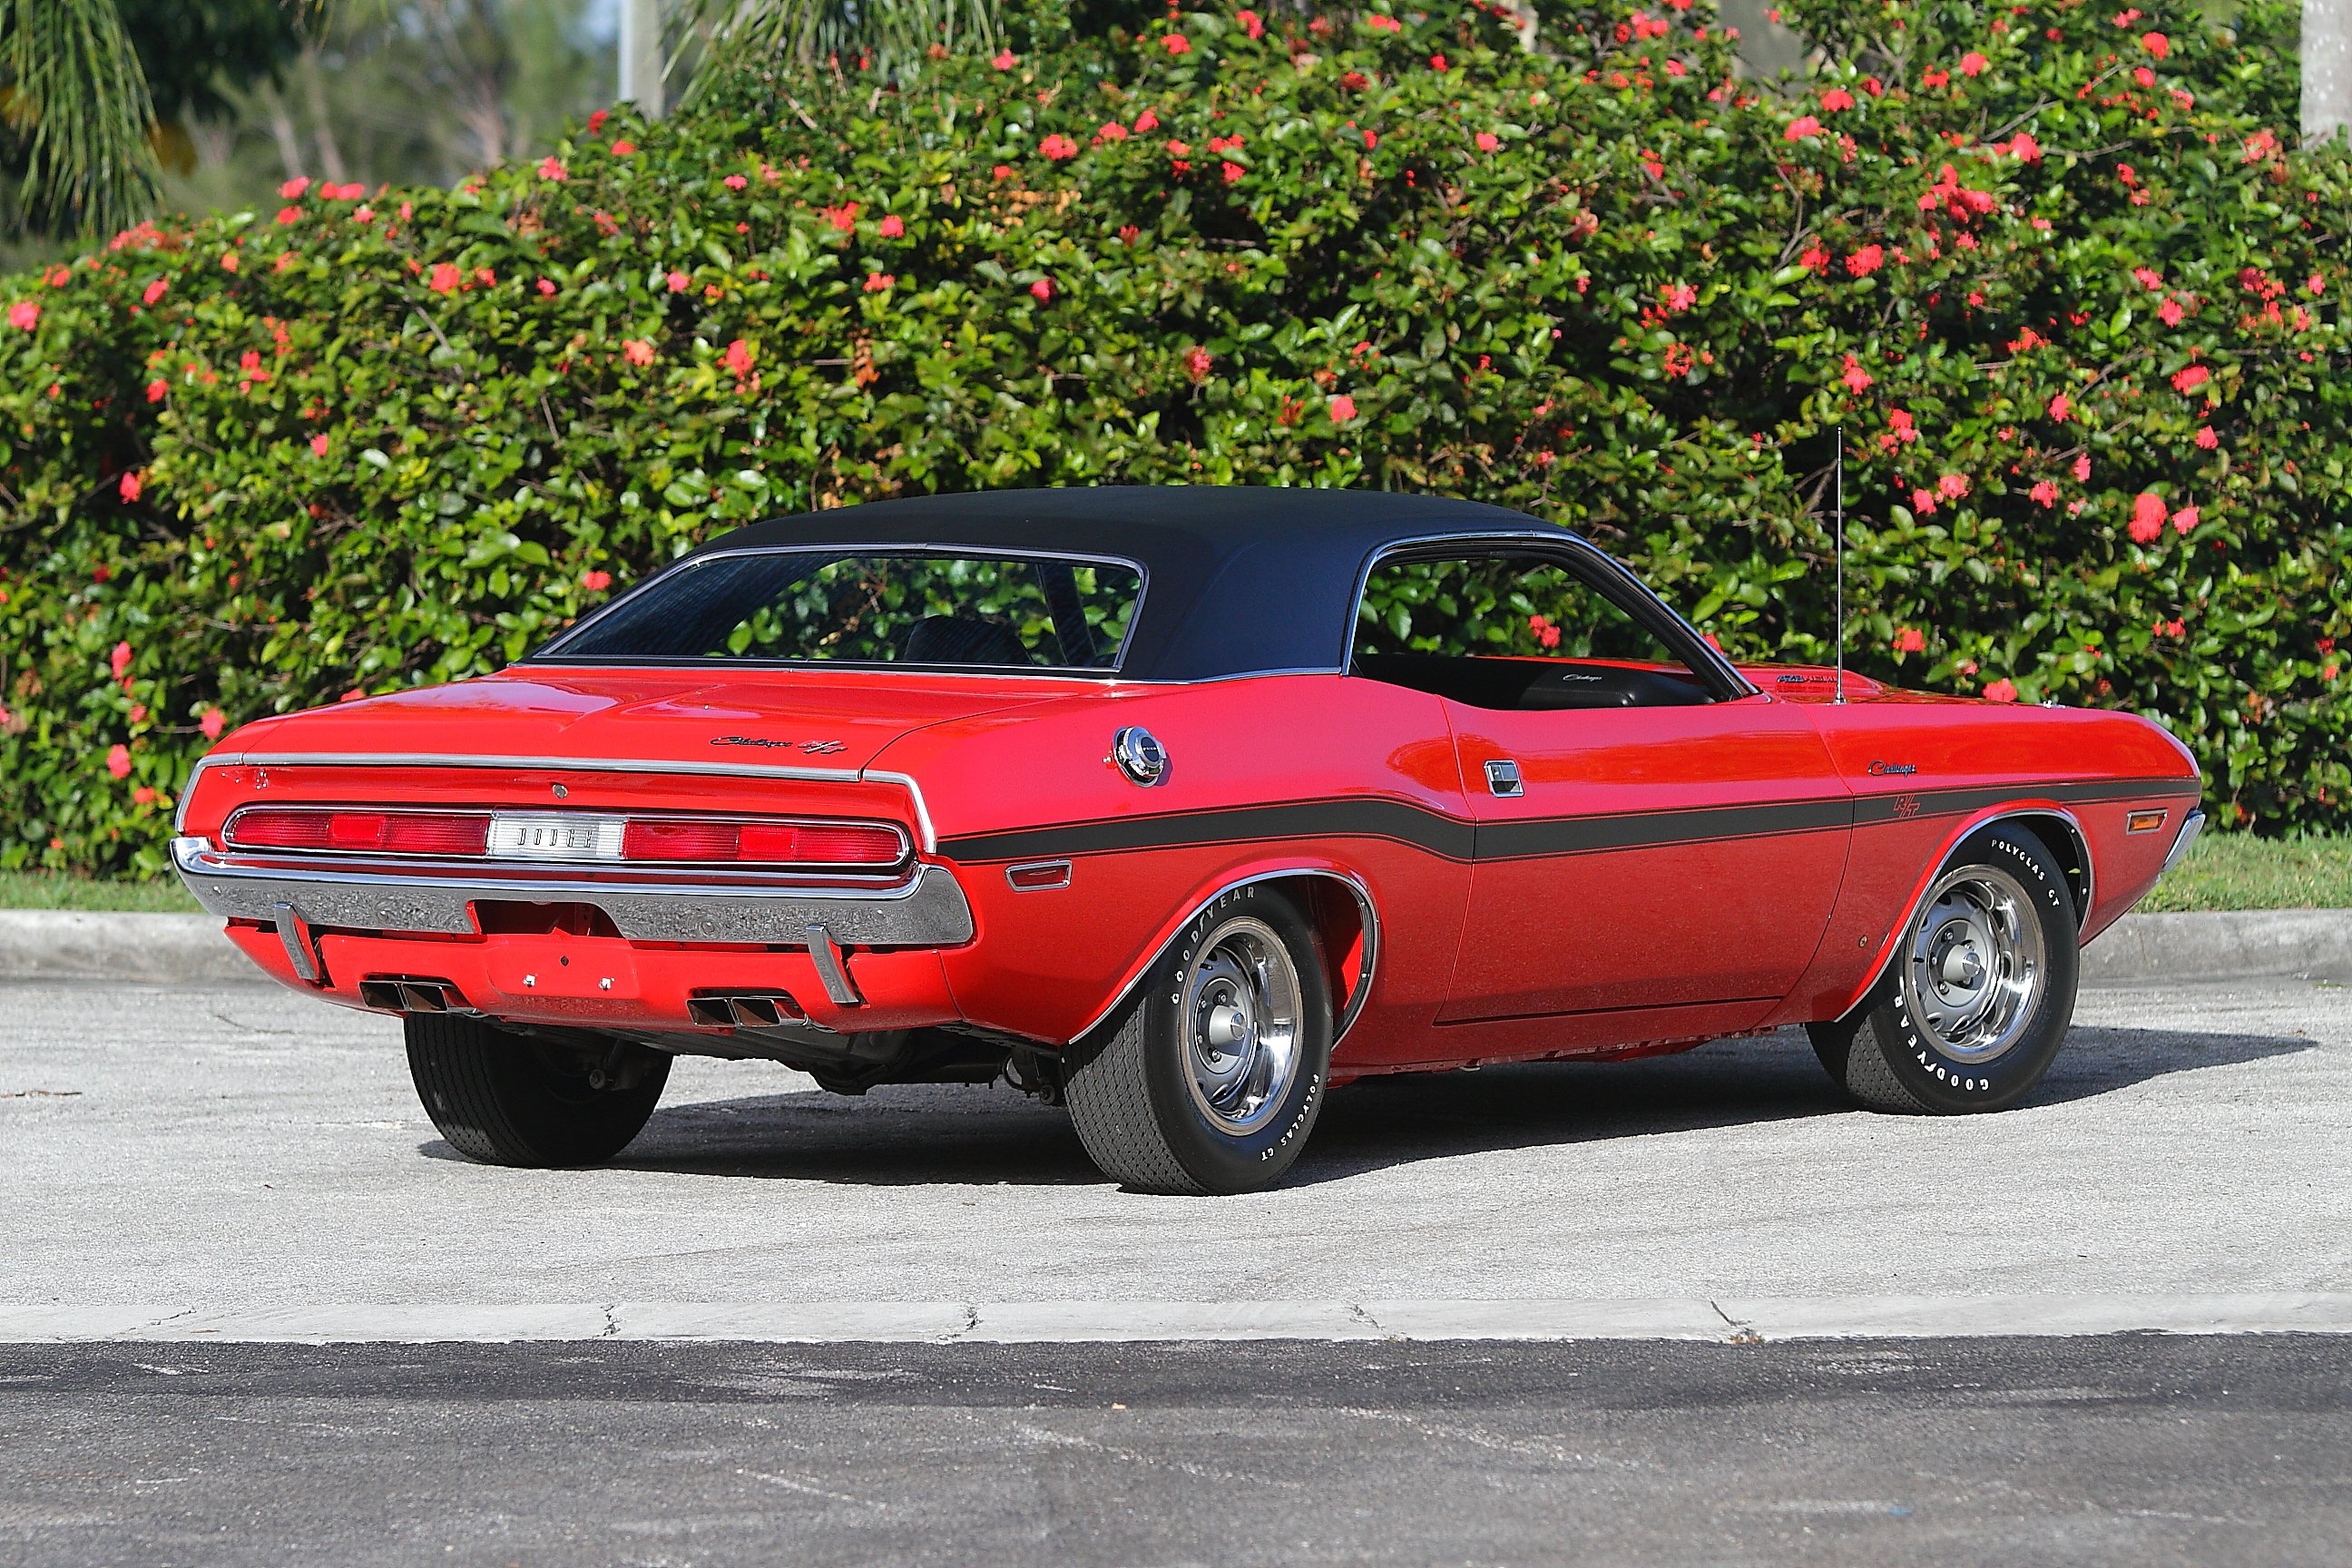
(1729, 1320)
(2138, 950)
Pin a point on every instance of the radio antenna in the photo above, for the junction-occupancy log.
(1841, 565)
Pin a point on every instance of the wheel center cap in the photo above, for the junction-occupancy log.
(1229, 1025)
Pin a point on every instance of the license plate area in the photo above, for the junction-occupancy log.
(564, 966)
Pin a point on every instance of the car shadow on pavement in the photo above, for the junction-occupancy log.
(915, 1134)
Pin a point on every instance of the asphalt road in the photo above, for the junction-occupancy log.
(2005, 1453)
(245, 1148)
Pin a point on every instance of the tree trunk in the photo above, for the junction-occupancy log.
(2327, 68)
(641, 56)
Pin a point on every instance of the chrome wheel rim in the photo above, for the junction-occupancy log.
(1239, 1006)
(1974, 970)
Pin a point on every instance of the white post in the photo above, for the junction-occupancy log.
(641, 56)
(2327, 68)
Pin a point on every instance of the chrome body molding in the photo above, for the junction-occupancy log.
(2191, 827)
(1355, 998)
(927, 909)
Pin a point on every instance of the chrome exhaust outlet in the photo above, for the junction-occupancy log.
(400, 994)
(749, 1010)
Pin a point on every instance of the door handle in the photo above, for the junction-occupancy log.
(1503, 778)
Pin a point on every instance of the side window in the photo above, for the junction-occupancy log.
(1513, 632)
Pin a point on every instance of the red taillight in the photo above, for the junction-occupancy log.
(359, 831)
(707, 842)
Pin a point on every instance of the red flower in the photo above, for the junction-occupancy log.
(1147, 120)
(2061, 407)
(881, 282)
(1488, 141)
(1952, 487)
(550, 168)
(1437, 63)
(2003, 690)
(2171, 312)
(2206, 439)
(735, 181)
(444, 279)
(1923, 502)
(547, 286)
(2185, 520)
(2024, 148)
(1906, 428)
(154, 290)
(2148, 518)
(2156, 44)
(2190, 378)
(1343, 408)
(1856, 379)
(893, 226)
(2083, 468)
(1804, 125)
(1006, 62)
(1865, 261)
(637, 351)
(142, 795)
(1909, 639)
(2147, 277)
(130, 486)
(212, 724)
(677, 281)
(120, 659)
(1384, 24)
(24, 315)
(118, 762)
(1973, 64)
(1043, 287)
(1251, 23)
(1836, 100)
(1058, 146)
(1197, 362)
(289, 214)
(292, 189)
(158, 390)
(1176, 44)
(595, 582)
(1232, 173)
(622, 149)
(319, 446)
(2045, 492)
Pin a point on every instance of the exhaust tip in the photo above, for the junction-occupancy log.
(746, 1010)
(401, 994)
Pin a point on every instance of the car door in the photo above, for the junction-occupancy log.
(1650, 832)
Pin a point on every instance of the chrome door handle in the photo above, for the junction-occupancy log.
(1503, 778)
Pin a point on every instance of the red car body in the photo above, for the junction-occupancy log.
(1663, 874)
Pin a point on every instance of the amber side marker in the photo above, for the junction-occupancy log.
(2144, 821)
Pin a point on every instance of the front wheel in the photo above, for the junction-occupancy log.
(507, 1099)
(1210, 1079)
(1979, 996)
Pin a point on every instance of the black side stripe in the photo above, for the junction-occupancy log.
(1454, 838)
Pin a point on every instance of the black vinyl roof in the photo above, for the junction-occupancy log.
(1238, 581)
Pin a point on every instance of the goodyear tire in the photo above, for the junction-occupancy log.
(513, 1099)
(1978, 996)
(1210, 1077)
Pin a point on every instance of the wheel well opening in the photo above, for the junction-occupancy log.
(1338, 912)
(2066, 846)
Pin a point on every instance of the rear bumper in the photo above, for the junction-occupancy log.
(925, 911)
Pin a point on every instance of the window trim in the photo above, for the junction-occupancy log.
(551, 652)
(1595, 567)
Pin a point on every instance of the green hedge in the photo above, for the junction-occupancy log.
(2075, 307)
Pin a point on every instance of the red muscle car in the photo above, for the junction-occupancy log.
(1178, 807)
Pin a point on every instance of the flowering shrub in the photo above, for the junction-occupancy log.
(2054, 274)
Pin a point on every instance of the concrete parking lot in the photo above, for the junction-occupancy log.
(243, 1147)
(170, 1157)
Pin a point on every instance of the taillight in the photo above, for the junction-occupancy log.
(571, 836)
(359, 832)
(711, 841)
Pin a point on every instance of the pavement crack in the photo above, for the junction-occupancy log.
(1741, 1333)
(1357, 1311)
(612, 1323)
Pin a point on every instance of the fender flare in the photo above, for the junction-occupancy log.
(1969, 827)
(1367, 911)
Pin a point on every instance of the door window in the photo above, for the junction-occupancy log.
(1514, 631)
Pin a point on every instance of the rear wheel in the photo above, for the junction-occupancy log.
(515, 1099)
(1210, 1079)
(1978, 999)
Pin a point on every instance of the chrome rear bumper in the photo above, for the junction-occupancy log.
(927, 910)
(2190, 827)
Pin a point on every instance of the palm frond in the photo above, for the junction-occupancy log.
(896, 35)
(75, 91)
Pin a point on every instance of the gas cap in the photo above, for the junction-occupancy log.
(1139, 754)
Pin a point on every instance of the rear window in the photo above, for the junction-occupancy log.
(833, 607)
